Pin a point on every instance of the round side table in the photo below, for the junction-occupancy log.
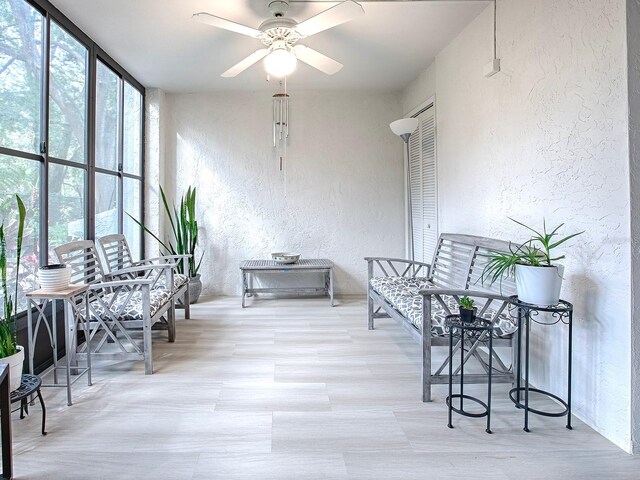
(529, 314)
(29, 385)
(476, 331)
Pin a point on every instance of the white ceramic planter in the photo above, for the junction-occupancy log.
(52, 278)
(539, 285)
(15, 362)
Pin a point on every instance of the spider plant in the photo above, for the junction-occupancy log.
(535, 252)
(8, 340)
(184, 230)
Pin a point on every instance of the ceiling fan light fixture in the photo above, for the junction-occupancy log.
(280, 62)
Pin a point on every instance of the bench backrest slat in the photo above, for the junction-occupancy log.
(460, 259)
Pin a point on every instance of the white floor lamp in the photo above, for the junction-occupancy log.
(404, 128)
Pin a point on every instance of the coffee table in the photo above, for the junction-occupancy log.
(248, 268)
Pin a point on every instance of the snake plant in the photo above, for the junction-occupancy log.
(184, 230)
(8, 340)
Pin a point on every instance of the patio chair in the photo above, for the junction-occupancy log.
(120, 309)
(117, 256)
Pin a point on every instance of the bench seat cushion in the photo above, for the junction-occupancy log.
(178, 281)
(132, 309)
(402, 294)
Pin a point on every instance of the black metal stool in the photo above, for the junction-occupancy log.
(29, 385)
(476, 331)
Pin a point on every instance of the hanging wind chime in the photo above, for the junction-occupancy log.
(281, 124)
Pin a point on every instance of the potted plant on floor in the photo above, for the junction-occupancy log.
(10, 351)
(184, 233)
(538, 278)
(467, 310)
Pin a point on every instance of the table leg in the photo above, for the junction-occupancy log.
(331, 285)
(526, 373)
(54, 339)
(31, 342)
(244, 286)
(488, 430)
(450, 376)
(69, 344)
(569, 370)
(44, 412)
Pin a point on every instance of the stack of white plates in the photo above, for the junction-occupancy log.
(54, 277)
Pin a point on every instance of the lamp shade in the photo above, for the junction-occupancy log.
(280, 62)
(404, 126)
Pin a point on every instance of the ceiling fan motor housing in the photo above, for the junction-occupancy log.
(279, 8)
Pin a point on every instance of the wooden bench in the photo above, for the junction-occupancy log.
(410, 291)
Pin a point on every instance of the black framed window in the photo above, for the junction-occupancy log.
(71, 135)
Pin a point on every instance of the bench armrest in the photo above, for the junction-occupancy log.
(399, 267)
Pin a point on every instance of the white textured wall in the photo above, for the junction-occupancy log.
(633, 41)
(340, 196)
(155, 112)
(547, 137)
(420, 90)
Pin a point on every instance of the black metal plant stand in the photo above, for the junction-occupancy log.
(527, 315)
(30, 384)
(478, 330)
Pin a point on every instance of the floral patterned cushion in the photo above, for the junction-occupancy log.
(133, 308)
(402, 294)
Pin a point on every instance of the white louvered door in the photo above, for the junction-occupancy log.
(424, 193)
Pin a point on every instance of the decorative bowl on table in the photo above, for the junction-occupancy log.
(285, 257)
(54, 277)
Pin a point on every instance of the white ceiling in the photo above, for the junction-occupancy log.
(160, 45)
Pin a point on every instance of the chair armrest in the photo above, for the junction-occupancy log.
(120, 283)
(140, 268)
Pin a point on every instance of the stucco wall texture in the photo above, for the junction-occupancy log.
(547, 137)
(339, 196)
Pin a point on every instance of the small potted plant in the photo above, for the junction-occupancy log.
(538, 278)
(467, 310)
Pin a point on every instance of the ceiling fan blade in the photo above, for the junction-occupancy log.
(246, 63)
(214, 21)
(317, 60)
(334, 16)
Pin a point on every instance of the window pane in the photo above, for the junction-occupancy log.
(106, 204)
(66, 206)
(68, 96)
(132, 206)
(19, 176)
(132, 129)
(20, 75)
(107, 115)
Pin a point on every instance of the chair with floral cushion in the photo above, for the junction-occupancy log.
(117, 256)
(121, 311)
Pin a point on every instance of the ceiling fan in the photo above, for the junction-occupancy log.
(280, 35)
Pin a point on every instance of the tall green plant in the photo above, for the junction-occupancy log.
(184, 230)
(8, 339)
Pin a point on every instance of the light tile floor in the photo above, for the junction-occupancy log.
(291, 389)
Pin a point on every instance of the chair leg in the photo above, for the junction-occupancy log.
(171, 321)
(370, 311)
(187, 304)
(148, 352)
